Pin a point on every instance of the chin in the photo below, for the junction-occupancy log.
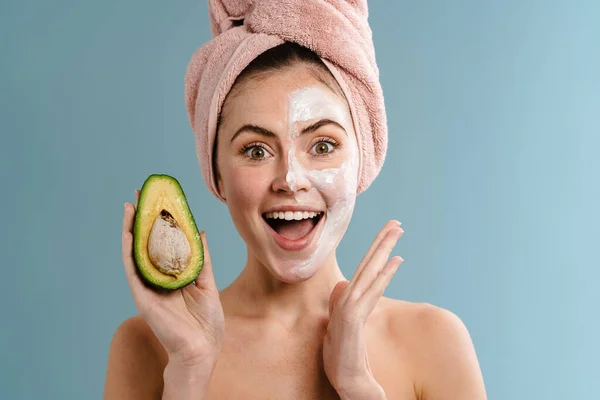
(293, 271)
(293, 257)
(294, 247)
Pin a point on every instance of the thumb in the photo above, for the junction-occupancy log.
(336, 293)
(206, 279)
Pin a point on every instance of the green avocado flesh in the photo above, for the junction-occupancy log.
(167, 247)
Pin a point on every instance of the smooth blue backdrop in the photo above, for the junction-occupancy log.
(493, 169)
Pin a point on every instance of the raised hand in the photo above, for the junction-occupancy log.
(189, 321)
(344, 347)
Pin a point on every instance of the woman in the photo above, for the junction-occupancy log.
(287, 163)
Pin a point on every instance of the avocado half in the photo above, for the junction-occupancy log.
(167, 247)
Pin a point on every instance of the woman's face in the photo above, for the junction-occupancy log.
(288, 163)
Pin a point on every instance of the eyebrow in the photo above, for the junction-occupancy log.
(265, 132)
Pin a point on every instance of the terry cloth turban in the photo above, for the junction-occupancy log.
(336, 30)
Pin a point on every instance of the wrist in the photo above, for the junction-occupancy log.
(192, 361)
(186, 381)
(364, 389)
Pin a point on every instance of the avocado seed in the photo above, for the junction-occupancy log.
(168, 248)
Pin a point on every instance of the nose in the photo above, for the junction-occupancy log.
(291, 176)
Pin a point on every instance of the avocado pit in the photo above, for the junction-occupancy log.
(168, 247)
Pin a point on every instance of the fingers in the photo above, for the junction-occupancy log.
(128, 219)
(206, 279)
(386, 228)
(336, 293)
(373, 274)
(137, 287)
(377, 261)
(128, 214)
(375, 291)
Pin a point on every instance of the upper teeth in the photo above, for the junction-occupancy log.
(291, 215)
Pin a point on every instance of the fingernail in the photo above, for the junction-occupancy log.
(125, 206)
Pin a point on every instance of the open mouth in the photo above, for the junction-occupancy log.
(293, 225)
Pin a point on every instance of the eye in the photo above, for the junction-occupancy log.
(324, 146)
(256, 152)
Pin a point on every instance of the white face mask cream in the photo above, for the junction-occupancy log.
(337, 186)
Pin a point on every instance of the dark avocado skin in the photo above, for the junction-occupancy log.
(189, 276)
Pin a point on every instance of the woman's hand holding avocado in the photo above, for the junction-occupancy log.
(344, 348)
(188, 322)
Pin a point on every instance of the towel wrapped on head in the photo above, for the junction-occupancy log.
(336, 30)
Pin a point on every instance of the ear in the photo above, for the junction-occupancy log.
(216, 171)
(220, 187)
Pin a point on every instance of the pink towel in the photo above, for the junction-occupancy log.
(336, 30)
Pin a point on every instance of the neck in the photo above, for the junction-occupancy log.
(257, 293)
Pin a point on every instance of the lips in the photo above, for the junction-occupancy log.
(293, 234)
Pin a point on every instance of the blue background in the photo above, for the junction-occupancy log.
(493, 169)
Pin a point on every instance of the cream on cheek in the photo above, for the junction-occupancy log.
(337, 186)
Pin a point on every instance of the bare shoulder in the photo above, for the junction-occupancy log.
(420, 319)
(134, 337)
(136, 361)
(413, 326)
(440, 347)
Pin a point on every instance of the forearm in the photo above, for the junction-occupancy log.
(182, 383)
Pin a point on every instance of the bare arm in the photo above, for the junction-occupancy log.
(135, 366)
(447, 364)
(138, 368)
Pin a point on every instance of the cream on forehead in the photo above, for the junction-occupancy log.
(316, 102)
(336, 185)
(310, 103)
